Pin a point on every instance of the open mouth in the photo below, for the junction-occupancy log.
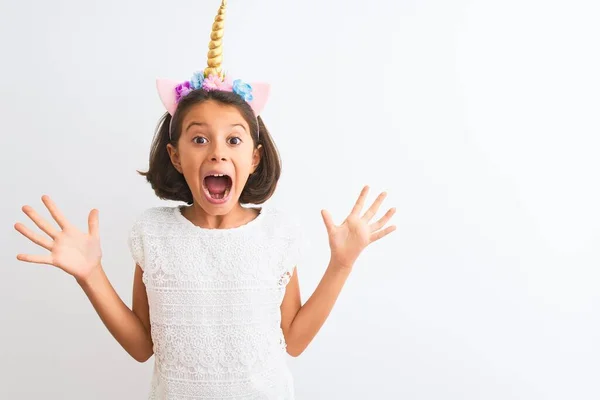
(217, 186)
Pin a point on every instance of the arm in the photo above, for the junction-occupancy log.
(78, 254)
(301, 323)
(131, 328)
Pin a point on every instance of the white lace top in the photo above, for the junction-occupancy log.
(214, 298)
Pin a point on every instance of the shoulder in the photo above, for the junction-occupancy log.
(156, 213)
(282, 222)
(276, 215)
(153, 218)
(288, 235)
(147, 224)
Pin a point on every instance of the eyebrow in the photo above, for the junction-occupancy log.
(193, 123)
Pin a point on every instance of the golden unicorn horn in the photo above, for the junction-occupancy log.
(215, 47)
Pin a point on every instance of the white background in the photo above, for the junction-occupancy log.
(480, 118)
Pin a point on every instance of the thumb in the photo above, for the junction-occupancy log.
(329, 225)
(93, 222)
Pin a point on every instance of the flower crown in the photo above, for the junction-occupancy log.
(213, 78)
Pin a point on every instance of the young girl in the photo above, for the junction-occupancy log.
(216, 297)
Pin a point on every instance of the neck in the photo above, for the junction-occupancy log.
(237, 216)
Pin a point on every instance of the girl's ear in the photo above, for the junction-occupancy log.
(174, 156)
(256, 156)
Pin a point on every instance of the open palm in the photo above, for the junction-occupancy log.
(350, 238)
(75, 252)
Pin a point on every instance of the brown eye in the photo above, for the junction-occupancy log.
(235, 140)
(199, 140)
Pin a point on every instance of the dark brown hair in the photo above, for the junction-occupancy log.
(169, 184)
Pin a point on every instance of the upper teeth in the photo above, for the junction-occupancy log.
(218, 175)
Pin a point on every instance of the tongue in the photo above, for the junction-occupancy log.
(217, 184)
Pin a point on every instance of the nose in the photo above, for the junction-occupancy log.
(218, 152)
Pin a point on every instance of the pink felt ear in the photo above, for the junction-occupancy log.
(260, 94)
(166, 92)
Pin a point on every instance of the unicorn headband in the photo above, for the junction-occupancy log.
(213, 77)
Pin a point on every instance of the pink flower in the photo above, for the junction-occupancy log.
(214, 82)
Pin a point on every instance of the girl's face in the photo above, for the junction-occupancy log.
(216, 155)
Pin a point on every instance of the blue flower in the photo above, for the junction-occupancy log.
(197, 79)
(243, 89)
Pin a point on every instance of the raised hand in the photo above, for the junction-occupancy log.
(75, 252)
(350, 238)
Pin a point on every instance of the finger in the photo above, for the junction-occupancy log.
(93, 222)
(329, 224)
(35, 259)
(360, 202)
(55, 212)
(40, 222)
(374, 207)
(379, 234)
(34, 237)
(383, 220)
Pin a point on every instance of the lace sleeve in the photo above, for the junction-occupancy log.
(296, 247)
(136, 246)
